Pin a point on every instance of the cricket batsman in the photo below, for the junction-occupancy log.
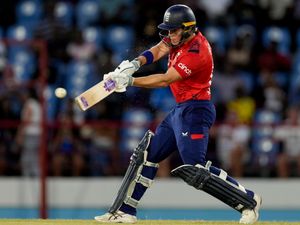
(185, 128)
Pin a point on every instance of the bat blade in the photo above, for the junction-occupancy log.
(95, 94)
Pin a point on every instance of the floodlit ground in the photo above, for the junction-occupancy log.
(140, 222)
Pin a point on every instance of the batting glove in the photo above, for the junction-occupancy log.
(128, 68)
(119, 90)
(122, 80)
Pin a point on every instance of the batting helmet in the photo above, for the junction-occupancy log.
(178, 16)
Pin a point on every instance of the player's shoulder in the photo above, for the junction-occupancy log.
(197, 43)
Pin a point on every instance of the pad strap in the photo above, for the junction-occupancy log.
(223, 175)
(143, 180)
(147, 163)
(131, 201)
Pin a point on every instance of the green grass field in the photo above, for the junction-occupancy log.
(140, 222)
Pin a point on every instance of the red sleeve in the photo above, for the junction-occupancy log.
(187, 65)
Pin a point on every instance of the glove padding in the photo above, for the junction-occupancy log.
(127, 67)
(119, 90)
(122, 80)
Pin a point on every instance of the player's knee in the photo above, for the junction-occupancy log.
(191, 158)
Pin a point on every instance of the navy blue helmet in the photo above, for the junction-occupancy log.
(178, 16)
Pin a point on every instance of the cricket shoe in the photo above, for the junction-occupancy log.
(250, 216)
(117, 217)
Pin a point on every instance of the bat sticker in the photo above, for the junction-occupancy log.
(84, 101)
(109, 85)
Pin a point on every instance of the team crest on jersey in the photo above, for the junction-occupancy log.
(195, 47)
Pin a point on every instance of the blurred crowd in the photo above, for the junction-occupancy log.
(256, 85)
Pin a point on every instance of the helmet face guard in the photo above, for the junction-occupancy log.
(186, 33)
(175, 17)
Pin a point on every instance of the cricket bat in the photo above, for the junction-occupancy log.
(95, 94)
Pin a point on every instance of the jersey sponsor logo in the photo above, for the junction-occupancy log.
(184, 68)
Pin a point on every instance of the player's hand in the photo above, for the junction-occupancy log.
(119, 90)
(127, 67)
(122, 80)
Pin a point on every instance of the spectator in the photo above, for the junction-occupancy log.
(240, 52)
(271, 60)
(116, 12)
(68, 153)
(243, 105)
(242, 12)
(223, 89)
(232, 144)
(2, 58)
(29, 133)
(54, 32)
(289, 135)
(226, 83)
(80, 50)
(270, 96)
(102, 154)
(9, 154)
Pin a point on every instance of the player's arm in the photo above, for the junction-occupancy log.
(152, 81)
(153, 54)
(147, 57)
(157, 80)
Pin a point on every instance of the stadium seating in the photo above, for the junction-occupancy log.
(76, 77)
(93, 35)
(1, 32)
(23, 62)
(294, 84)
(298, 40)
(282, 79)
(278, 34)
(119, 39)
(19, 33)
(22, 57)
(162, 100)
(217, 37)
(29, 12)
(264, 148)
(51, 102)
(79, 77)
(64, 12)
(248, 80)
(87, 13)
(135, 121)
(244, 30)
